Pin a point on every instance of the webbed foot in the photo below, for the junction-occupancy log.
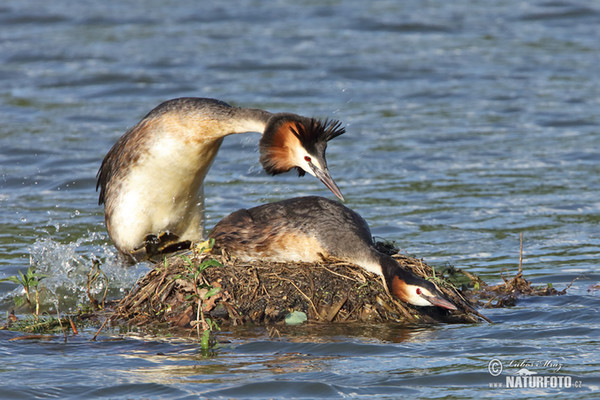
(164, 243)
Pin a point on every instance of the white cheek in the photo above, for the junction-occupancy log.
(300, 161)
(419, 301)
(308, 169)
(416, 299)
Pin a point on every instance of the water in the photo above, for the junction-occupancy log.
(468, 122)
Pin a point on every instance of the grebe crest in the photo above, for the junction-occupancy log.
(291, 141)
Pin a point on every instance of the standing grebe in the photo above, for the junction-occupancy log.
(151, 180)
(310, 229)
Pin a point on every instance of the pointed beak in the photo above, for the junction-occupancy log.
(439, 301)
(325, 177)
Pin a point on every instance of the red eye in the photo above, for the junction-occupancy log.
(419, 291)
(307, 158)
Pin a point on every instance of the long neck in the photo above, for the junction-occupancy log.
(389, 268)
(204, 121)
(249, 120)
(397, 278)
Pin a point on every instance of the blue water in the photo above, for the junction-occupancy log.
(468, 122)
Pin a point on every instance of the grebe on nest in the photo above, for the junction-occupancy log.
(151, 180)
(310, 229)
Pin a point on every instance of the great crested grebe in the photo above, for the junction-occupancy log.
(310, 229)
(151, 180)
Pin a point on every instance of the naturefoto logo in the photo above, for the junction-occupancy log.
(525, 374)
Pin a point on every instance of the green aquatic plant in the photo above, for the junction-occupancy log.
(29, 281)
(202, 292)
(39, 324)
(440, 280)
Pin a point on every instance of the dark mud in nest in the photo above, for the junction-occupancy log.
(265, 293)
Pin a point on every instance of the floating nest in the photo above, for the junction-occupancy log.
(268, 293)
(177, 295)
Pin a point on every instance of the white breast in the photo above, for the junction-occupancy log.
(163, 192)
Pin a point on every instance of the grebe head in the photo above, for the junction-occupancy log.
(291, 141)
(419, 292)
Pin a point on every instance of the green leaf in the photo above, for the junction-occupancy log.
(212, 324)
(12, 279)
(211, 292)
(186, 259)
(209, 263)
(296, 318)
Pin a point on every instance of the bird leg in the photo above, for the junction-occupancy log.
(164, 243)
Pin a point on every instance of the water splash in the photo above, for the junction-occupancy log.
(66, 267)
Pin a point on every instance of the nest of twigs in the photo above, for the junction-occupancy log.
(266, 293)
